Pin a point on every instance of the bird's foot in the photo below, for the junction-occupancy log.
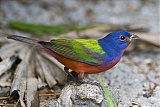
(72, 77)
(78, 79)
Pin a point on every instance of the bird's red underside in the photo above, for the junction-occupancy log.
(83, 67)
(79, 66)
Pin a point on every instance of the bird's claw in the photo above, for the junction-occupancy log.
(78, 81)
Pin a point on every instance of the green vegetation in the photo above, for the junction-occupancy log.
(110, 99)
(39, 29)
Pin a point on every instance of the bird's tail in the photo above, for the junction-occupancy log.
(24, 39)
(37, 43)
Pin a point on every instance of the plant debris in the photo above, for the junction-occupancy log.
(35, 70)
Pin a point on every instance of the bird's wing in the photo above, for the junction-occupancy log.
(86, 51)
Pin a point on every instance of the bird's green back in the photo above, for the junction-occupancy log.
(90, 43)
(82, 50)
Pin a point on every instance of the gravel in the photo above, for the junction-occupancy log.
(136, 78)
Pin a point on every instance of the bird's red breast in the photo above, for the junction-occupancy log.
(79, 66)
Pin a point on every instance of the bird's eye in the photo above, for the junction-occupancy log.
(122, 38)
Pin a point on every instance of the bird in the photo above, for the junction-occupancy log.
(85, 56)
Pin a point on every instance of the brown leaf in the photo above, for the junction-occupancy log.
(8, 50)
(153, 39)
(19, 82)
(7, 64)
(47, 72)
(32, 84)
(56, 69)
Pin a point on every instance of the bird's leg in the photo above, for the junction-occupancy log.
(70, 76)
(81, 76)
(81, 80)
(66, 70)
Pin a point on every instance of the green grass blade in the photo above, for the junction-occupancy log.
(110, 99)
(39, 29)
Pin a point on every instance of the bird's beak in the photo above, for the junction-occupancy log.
(133, 37)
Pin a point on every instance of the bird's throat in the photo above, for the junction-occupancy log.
(113, 54)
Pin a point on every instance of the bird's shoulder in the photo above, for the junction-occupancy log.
(91, 44)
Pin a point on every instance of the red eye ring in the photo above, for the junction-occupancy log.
(122, 38)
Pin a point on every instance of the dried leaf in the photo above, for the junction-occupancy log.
(31, 84)
(40, 74)
(57, 69)
(47, 72)
(22, 89)
(7, 64)
(41, 83)
(4, 84)
(10, 49)
(150, 38)
(19, 82)
(92, 33)
(8, 46)
(5, 77)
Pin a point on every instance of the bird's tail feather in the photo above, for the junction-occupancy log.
(24, 39)
(40, 44)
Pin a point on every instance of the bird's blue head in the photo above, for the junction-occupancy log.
(117, 41)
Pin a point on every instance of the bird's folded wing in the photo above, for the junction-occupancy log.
(81, 50)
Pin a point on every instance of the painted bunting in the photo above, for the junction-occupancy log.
(85, 55)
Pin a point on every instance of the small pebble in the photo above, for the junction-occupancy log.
(148, 61)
